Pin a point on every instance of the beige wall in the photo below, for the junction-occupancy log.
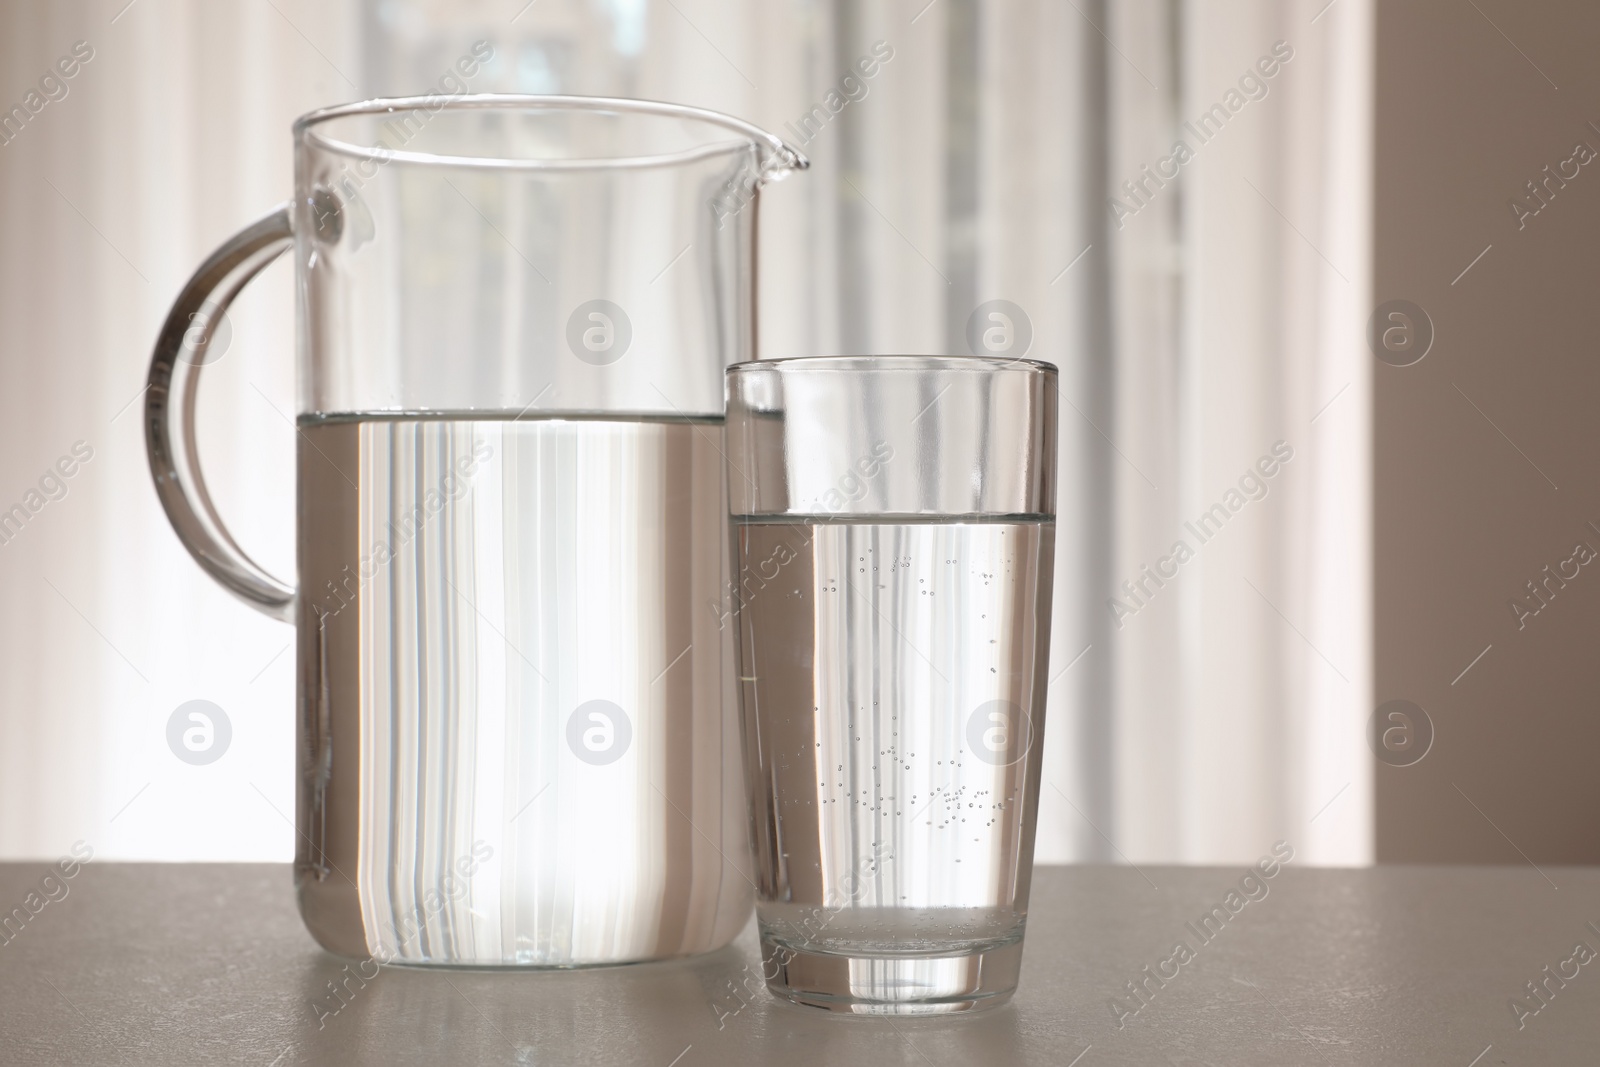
(1467, 512)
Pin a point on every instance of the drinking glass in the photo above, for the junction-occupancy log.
(514, 314)
(894, 528)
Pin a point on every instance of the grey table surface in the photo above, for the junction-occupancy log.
(173, 964)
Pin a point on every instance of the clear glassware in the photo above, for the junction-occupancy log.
(514, 705)
(894, 531)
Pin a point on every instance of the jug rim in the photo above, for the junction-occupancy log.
(781, 158)
(903, 362)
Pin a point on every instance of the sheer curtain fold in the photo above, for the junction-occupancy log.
(1243, 681)
(172, 136)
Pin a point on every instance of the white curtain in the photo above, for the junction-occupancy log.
(171, 137)
(1241, 686)
(975, 164)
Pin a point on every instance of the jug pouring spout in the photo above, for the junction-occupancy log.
(780, 161)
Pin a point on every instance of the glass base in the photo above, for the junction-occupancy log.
(894, 985)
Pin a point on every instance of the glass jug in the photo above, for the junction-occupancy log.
(517, 741)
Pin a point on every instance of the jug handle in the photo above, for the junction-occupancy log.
(172, 387)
